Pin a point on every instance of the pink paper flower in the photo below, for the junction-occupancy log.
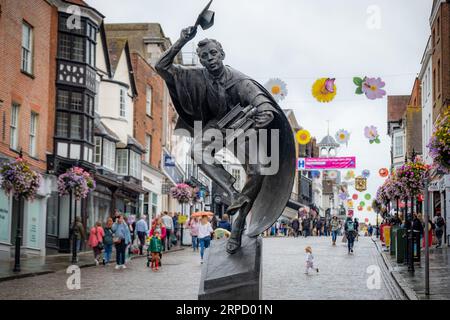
(371, 133)
(372, 88)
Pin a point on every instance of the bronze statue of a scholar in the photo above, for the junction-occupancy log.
(218, 98)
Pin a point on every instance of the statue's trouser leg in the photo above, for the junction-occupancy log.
(251, 189)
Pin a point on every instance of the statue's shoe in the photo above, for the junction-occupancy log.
(233, 245)
(239, 200)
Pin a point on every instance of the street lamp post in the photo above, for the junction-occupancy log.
(427, 249)
(411, 236)
(18, 232)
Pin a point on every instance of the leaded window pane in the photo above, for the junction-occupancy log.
(62, 124)
(75, 126)
(63, 99)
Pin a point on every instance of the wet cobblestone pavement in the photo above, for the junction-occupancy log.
(341, 276)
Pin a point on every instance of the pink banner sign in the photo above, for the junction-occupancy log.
(326, 163)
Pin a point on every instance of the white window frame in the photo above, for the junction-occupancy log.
(148, 145)
(397, 151)
(109, 154)
(27, 48)
(135, 165)
(33, 130)
(14, 127)
(149, 100)
(123, 103)
(122, 162)
(98, 150)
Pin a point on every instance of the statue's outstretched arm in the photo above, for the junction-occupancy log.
(165, 64)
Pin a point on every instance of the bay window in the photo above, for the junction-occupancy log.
(135, 165)
(122, 161)
(109, 154)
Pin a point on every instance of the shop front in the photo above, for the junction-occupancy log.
(32, 218)
(152, 182)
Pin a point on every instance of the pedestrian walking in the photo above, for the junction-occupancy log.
(319, 226)
(356, 222)
(214, 222)
(154, 250)
(439, 223)
(175, 227)
(193, 225)
(350, 233)
(335, 227)
(78, 233)
(224, 223)
(204, 235)
(370, 230)
(122, 239)
(306, 227)
(108, 241)
(142, 232)
(159, 226)
(168, 223)
(295, 227)
(96, 241)
(310, 261)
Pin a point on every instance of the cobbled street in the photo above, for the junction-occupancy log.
(341, 276)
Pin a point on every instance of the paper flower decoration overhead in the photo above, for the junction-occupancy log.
(366, 173)
(350, 203)
(350, 175)
(362, 204)
(277, 88)
(324, 90)
(315, 174)
(371, 87)
(343, 196)
(369, 209)
(303, 137)
(384, 172)
(355, 197)
(343, 136)
(368, 196)
(332, 174)
(371, 133)
(360, 208)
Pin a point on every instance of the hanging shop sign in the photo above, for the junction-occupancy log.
(326, 163)
(361, 184)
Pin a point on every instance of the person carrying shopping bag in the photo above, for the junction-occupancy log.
(122, 238)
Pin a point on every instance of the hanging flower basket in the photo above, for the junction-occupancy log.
(183, 193)
(439, 145)
(410, 178)
(18, 179)
(76, 180)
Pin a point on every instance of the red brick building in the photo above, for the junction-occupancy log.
(28, 46)
(440, 38)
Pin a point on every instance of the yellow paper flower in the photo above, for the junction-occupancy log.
(324, 90)
(303, 137)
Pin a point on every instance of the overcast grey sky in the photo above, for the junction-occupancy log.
(302, 40)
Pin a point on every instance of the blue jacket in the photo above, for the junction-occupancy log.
(224, 225)
(122, 231)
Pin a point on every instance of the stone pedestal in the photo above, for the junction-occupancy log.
(232, 277)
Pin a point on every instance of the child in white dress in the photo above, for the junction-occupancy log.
(309, 260)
